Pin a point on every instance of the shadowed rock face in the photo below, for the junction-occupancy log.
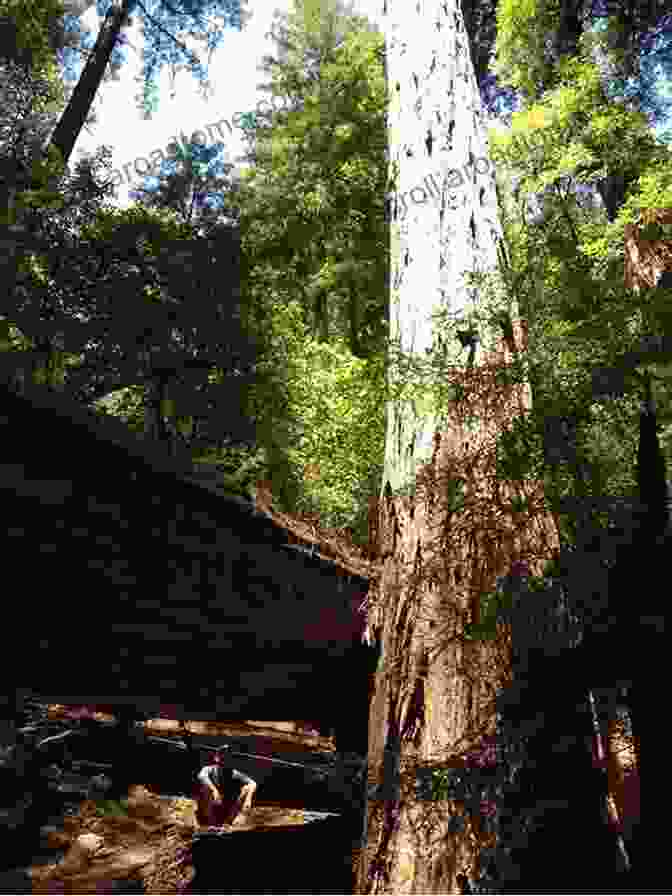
(167, 593)
(308, 858)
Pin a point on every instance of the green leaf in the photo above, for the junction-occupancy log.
(484, 631)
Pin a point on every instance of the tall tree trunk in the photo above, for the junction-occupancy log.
(445, 217)
(73, 118)
(64, 137)
(433, 690)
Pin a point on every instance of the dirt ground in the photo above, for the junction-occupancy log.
(145, 838)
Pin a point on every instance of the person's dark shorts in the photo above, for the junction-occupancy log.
(212, 814)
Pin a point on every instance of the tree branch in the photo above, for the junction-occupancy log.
(165, 31)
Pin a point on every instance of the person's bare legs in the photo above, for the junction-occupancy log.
(235, 812)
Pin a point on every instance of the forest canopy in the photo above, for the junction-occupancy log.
(244, 320)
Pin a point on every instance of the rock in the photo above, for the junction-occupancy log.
(81, 852)
(147, 806)
(55, 838)
(105, 872)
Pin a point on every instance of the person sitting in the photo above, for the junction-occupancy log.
(223, 793)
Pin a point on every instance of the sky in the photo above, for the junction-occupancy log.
(234, 77)
(182, 110)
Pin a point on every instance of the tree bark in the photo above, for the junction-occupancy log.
(444, 210)
(433, 690)
(73, 118)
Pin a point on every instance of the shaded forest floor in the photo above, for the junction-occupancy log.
(145, 840)
(144, 845)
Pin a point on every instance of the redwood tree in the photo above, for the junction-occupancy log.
(444, 226)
